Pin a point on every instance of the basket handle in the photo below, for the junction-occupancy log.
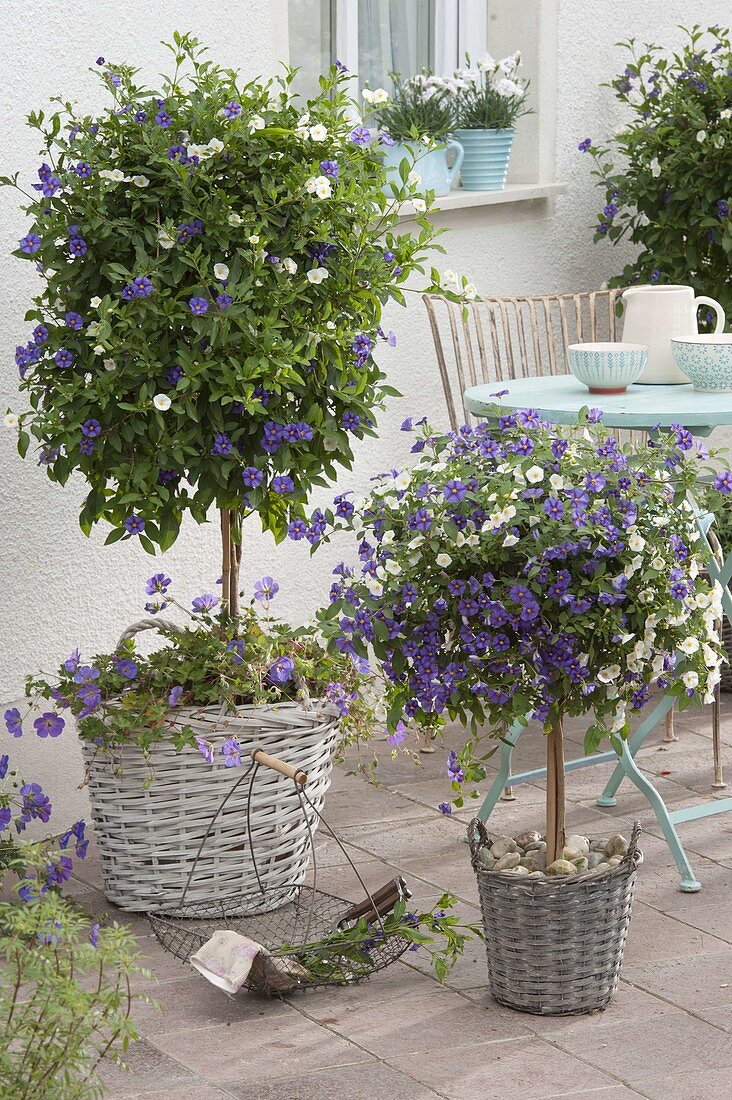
(259, 756)
(633, 855)
(477, 837)
(148, 624)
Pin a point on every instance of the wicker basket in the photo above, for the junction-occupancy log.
(555, 945)
(149, 832)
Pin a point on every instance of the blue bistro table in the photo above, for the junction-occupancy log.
(641, 408)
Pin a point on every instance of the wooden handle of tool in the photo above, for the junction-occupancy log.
(380, 903)
(259, 756)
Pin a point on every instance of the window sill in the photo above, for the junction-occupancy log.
(467, 200)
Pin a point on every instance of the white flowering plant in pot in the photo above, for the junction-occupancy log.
(521, 571)
(214, 258)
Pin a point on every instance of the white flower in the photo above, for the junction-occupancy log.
(99, 349)
(689, 646)
(655, 168)
(507, 88)
(556, 481)
(289, 265)
(95, 302)
(534, 475)
(419, 205)
(726, 113)
(109, 364)
(216, 145)
(470, 292)
(607, 675)
(93, 328)
(374, 586)
(416, 541)
(657, 562)
(165, 239)
(221, 272)
(235, 219)
(413, 180)
(443, 560)
(636, 541)
(690, 679)
(317, 275)
(451, 277)
(701, 135)
(323, 187)
(162, 402)
(510, 540)
(351, 116)
(141, 181)
(392, 567)
(401, 481)
(114, 175)
(256, 122)
(11, 420)
(318, 132)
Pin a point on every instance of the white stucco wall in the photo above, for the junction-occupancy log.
(61, 589)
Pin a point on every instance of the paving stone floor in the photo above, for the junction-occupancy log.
(667, 1035)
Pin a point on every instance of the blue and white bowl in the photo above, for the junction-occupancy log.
(706, 360)
(607, 367)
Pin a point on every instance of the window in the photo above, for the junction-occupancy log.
(376, 37)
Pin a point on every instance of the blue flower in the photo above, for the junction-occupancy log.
(237, 648)
(400, 732)
(723, 482)
(83, 170)
(297, 530)
(40, 334)
(266, 589)
(143, 286)
(281, 671)
(77, 246)
(445, 808)
(231, 110)
(74, 320)
(140, 116)
(283, 483)
(224, 301)
(91, 428)
(252, 477)
(222, 444)
(134, 525)
(49, 725)
(64, 358)
(360, 135)
(126, 667)
(13, 722)
(231, 752)
(329, 168)
(585, 145)
(174, 695)
(198, 306)
(350, 421)
(163, 119)
(30, 244)
(206, 602)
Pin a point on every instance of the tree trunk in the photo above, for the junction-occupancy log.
(555, 792)
(230, 561)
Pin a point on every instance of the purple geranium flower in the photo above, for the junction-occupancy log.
(174, 695)
(266, 589)
(13, 722)
(398, 735)
(157, 583)
(206, 749)
(206, 602)
(231, 752)
(281, 671)
(49, 725)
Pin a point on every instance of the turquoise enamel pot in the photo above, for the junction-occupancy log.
(430, 165)
(485, 164)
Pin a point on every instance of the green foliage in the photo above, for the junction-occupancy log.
(489, 96)
(214, 660)
(65, 998)
(257, 227)
(420, 107)
(349, 949)
(665, 175)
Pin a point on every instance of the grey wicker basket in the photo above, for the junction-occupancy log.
(555, 944)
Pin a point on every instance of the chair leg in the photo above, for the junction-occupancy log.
(719, 783)
(508, 795)
(669, 735)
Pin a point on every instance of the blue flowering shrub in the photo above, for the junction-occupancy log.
(127, 698)
(665, 176)
(525, 571)
(214, 258)
(65, 997)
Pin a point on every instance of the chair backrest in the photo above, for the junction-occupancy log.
(504, 338)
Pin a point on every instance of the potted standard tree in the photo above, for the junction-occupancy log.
(214, 259)
(525, 572)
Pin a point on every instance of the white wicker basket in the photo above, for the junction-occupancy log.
(149, 832)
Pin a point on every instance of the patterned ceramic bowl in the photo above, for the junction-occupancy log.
(706, 360)
(607, 368)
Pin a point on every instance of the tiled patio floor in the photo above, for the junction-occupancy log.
(666, 1035)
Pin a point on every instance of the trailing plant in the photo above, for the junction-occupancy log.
(419, 108)
(126, 698)
(347, 952)
(665, 175)
(489, 95)
(525, 571)
(214, 259)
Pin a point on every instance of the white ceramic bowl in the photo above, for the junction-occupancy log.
(607, 367)
(706, 360)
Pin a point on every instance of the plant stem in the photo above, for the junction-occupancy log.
(230, 560)
(555, 792)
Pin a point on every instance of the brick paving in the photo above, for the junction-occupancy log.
(666, 1035)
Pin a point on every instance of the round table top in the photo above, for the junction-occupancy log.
(559, 398)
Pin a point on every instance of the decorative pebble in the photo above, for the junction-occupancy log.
(579, 843)
(571, 854)
(581, 864)
(536, 846)
(594, 860)
(615, 860)
(519, 870)
(598, 845)
(485, 859)
(535, 861)
(561, 867)
(524, 840)
(616, 846)
(502, 846)
(537, 874)
(508, 862)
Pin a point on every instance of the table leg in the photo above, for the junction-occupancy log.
(689, 883)
(607, 798)
(504, 771)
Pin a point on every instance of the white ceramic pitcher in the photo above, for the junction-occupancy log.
(653, 314)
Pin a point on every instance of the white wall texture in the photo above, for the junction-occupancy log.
(61, 589)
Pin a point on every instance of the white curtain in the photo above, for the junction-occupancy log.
(393, 36)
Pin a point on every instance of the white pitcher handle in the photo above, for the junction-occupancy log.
(702, 300)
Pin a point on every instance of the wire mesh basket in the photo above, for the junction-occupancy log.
(309, 937)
